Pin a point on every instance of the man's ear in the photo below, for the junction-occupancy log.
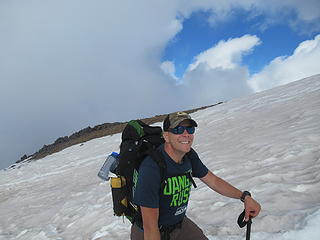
(165, 136)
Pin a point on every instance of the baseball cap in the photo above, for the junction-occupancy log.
(174, 119)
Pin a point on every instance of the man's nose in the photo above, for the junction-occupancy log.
(185, 133)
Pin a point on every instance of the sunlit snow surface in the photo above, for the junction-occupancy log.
(268, 143)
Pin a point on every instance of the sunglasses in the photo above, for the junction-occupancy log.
(180, 130)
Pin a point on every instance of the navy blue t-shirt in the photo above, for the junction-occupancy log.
(173, 202)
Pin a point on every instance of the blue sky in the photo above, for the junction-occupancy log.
(67, 65)
(197, 35)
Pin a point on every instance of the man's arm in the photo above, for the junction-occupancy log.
(150, 218)
(217, 184)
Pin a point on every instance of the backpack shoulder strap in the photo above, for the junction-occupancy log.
(157, 156)
(190, 156)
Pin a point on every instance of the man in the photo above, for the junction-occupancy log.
(163, 209)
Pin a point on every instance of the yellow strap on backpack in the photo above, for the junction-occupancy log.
(118, 182)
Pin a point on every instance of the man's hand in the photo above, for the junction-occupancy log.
(252, 208)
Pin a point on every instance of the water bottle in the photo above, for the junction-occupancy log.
(110, 164)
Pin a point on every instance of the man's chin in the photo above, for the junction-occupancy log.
(186, 149)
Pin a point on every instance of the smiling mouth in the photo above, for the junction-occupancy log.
(187, 142)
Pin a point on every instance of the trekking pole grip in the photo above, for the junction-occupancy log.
(242, 223)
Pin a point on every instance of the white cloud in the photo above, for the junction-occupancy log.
(65, 65)
(168, 68)
(226, 54)
(304, 62)
(206, 86)
(302, 16)
(217, 74)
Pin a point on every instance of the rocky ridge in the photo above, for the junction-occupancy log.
(90, 133)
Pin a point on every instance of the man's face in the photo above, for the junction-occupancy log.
(180, 143)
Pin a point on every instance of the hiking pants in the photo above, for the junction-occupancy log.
(188, 231)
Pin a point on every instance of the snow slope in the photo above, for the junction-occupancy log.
(268, 143)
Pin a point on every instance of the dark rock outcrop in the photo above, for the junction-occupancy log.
(90, 133)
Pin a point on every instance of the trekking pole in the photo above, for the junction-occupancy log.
(248, 229)
(242, 223)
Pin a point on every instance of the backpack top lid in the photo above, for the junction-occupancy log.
(137, 130)
(138, 139)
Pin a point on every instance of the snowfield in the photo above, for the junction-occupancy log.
(267, 143)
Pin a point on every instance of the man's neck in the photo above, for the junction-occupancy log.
(175, 156)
